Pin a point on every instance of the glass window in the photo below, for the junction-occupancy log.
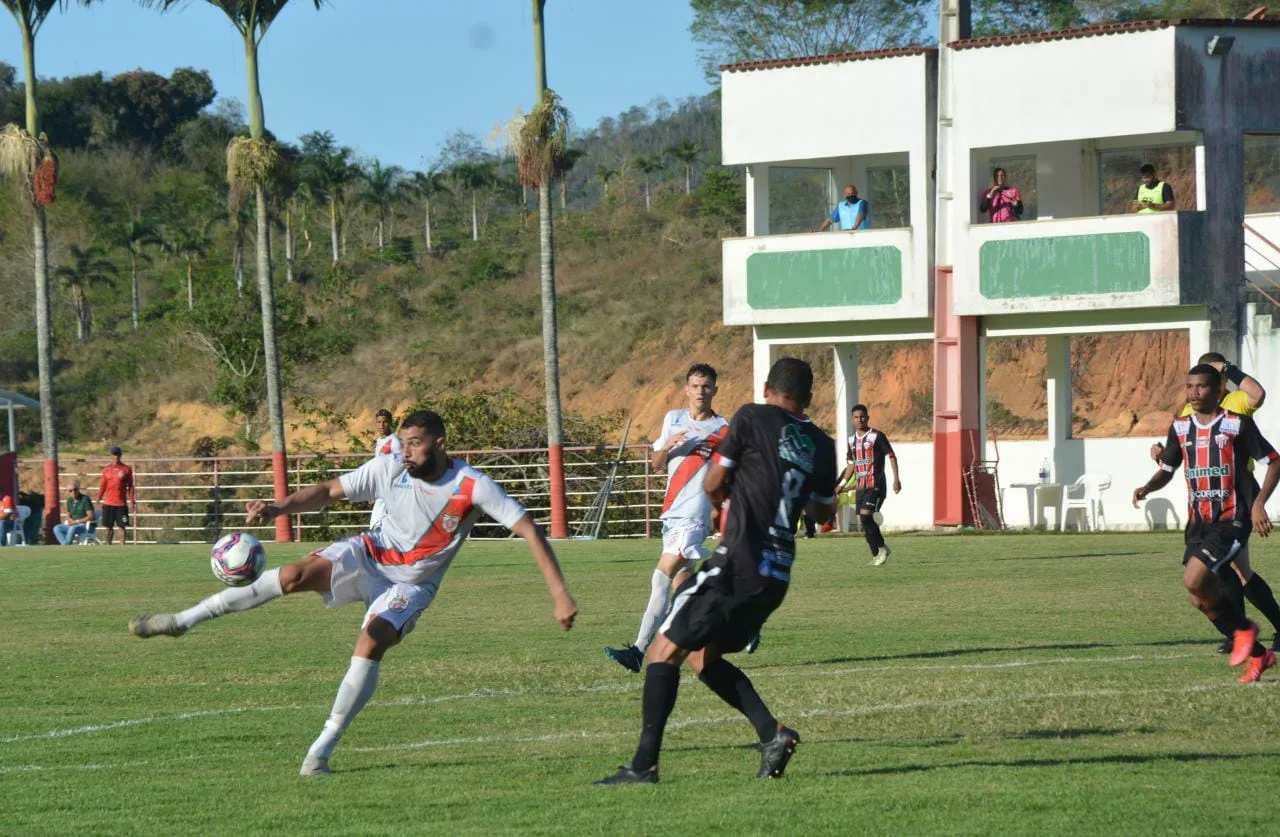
(1020, 172)
(1118, 175)
(889, 194)
(1262, 173)
(799, 198)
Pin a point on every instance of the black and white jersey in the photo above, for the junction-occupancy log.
(779, 462)
(1216, 458)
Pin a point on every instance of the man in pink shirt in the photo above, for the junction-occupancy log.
(1001, 202)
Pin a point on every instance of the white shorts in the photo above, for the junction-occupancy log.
(681, 538)
(356, 578)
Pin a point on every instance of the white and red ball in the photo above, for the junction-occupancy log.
(238, 559)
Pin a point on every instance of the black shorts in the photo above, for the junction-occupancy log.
(716, 608)
(115, 516)
(1217, 545)
(870, 499)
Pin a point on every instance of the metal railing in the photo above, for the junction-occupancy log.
(197, 499)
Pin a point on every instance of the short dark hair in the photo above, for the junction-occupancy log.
(792, 377)
(706, 370)
(1214, 376)
(857, 407)
(383, 413)
(1147, 168)
(427, 420)
(999, 170)
(1212, 357)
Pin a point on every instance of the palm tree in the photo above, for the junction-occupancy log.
(427, 186)
(329, 169)
(32, 157)
(91, 267)
(472, 176)
(381, 188)
(134, 237)
(250, 163)
(686, 152)
(606, 174)
(564, 164)
(190, 242)
(647, 166)
(543, 145)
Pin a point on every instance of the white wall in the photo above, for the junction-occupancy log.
(1065, 186)
(913, 508)
(875, 106)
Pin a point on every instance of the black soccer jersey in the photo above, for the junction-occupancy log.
(867, 454)
(779, 462)
(1216, 455)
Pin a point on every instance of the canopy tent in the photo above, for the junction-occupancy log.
(11, 401)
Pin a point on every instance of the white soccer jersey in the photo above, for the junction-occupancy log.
(389, 446)
(688, 463)
(425, 522)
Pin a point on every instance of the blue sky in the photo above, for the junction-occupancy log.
(393, 77)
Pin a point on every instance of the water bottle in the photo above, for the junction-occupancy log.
(1044, 472)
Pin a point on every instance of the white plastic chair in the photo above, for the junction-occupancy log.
(1085, 496)
(89, 537)
(19, 537)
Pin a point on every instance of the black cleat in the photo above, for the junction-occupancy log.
(753, 643)
(1275, 643)
(630, 657)
(775, 755)
(627, 776)
(1226, 646)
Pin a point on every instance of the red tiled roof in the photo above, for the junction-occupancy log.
(834, 58)
(1108, 29)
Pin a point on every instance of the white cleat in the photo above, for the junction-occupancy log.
(149, 624)
(314, 766)
(881, 557)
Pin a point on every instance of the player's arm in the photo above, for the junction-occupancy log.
(566, 608)
(1246, 383)
(822, 505)
(309, 499)
(716, 485)
(1252, 444)
(845, 476)
(1170, 459)
(893, 461)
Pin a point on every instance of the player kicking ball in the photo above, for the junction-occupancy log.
(685, 447)
(431, 503)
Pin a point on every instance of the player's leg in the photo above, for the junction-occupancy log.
(109, 522)
(1258, 593)
(1212, 594)
(680, 548)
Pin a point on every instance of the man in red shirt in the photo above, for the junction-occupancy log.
(115, 494)
(8, 519)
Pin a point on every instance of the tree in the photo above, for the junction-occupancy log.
(646, 165)
(249, 164)
(90, 267)
(472, 177)
(189, 241)
(134, 236)
(27, 156)
(606, 174)
(729, 31)
(686, 152)
(564, 164)
(427, 186)
(543, 146)
(328, 169)
(381, 189)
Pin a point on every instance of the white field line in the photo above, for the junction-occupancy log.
(801, 671)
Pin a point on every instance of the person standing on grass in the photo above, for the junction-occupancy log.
(685, 447)
(773, 464)
(1224, 505)
(395, 570)
(866, 454)
(388, 445)
(116, 495)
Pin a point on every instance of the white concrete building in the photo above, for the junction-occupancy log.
(1060, 111)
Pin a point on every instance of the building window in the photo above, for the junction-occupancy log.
(1021, 172)
(1118, 175)
(799, 198)
(1262, 173)
(889, 194)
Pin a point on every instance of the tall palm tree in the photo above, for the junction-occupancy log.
(30, 15)
(606, 174)
(91, 267)
(189, 241)
(381, 189)
(134, 236)
(564, 164)
(646, 165)
(687, 152)
(328, 169)
(472, 177)
(543, 144)
(426, 186)
(253, 163)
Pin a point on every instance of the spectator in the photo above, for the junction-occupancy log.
(78, 518)
(8, 519)
(1002, 203)
(852, 213)
(115, 493)
(1153, 195)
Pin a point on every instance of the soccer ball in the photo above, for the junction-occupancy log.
(238, 559)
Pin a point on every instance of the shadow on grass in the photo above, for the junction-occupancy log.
(1063, 762)
(1072, 555)
(1207, 642)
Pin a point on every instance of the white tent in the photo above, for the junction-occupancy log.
(11, 401)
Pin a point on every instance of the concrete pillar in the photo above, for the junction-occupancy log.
(757, 199)
(763, 356)
(1198, 342)
(1202, 201)
(1058, 375)
(956, 393)
(846, 357)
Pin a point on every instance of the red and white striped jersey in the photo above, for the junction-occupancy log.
(688, 463)
(389, 446)
(425, 522)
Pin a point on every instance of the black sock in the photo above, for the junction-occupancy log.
(872, 529)
(661, 683)
(1232, 594)
(1259, 594)
(735, 689)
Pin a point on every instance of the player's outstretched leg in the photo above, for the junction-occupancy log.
(875, 540)
(631, 657)
(777, 743)
(1259, 594)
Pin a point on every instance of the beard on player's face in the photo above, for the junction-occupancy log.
(432, 460)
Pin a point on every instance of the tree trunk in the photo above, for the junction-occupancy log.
(475, 223)
(135, 296)
(290, 247)
(237, 258)
(191, 294)
(646, 194)
(82, 312)
(382, 241)
(333, 226)
(564, 198)
(428, 216)
(688, 178)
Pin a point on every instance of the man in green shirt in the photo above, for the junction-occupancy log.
(79, 516)
(1153, 195)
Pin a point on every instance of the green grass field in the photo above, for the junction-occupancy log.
(973, 685)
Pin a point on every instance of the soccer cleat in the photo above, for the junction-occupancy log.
(882, 555)
(155, 624)
(1257, 665)
(1228, 644)
(627, 776)
(775, 754)
(314, 766)
(1242, 643)
(753, 643)
(630, 657)
(1275, 643)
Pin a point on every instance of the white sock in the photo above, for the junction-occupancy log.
(354, 692)
(234, 599)
(655, 611)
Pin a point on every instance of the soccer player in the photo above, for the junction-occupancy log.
(432, 502)
(387, 444)
(1245, 400)
(1224, 505)
(868, 449)
(685, 446)
(773, 464)
(116, 495)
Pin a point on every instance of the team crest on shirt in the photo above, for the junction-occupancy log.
(1220, 440)
(449, 522)
(398, 603)
(796, 447)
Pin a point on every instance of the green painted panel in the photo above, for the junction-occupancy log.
(1066, 265)
(825, 278)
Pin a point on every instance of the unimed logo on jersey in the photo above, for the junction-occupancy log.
(1215, 471)
(796, 447)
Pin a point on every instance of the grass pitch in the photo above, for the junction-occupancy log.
(973, 685)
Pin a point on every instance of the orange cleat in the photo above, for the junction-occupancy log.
(1257, 665)
(1242, 643)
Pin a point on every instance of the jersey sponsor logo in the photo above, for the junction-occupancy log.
(402, 481)
(796, 447)
(1212, 471)
(1231, 424)
(1211, 494)
(1181, 426)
